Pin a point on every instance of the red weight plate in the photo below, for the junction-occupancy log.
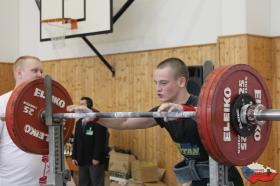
(23, 115)
(236, 79)
(208, 116)
(202, 116)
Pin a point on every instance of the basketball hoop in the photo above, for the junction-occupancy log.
(57, 29)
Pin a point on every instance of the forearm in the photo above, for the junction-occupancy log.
(114, 123)
(127, 123)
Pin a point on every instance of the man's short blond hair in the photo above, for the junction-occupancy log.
(19, 63)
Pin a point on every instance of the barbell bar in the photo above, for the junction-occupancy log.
(185, 114)
(231, 113)
(258, 114)
(127, 115)
(267, 115)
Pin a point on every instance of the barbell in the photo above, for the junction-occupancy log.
(233, 115)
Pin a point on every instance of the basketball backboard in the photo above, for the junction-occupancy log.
(93, 16)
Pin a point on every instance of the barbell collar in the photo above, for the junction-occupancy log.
(250, 111)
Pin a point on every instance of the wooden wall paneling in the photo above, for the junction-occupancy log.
(260, 58)
(275, 151)
(257, 52)
(209, 52)
(124, 94)
(81, 77)
(7, 78)
(233, 50)
(142, 101)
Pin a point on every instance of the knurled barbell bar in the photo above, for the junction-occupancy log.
(231, 113)
(185, 114)
(250, 114)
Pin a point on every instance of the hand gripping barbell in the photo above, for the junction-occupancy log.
(232, 115)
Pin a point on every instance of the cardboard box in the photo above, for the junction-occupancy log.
(76, 177)
(120, 162)
(144, 171)
(106, 179)
(120, 175)
(70, 165)
(120, 181)
(155, 184)
(160, 173)
(135, 184)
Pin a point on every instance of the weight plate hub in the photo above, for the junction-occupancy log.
(243, 129)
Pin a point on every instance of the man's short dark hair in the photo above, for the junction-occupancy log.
(89, 101)
(178, 67)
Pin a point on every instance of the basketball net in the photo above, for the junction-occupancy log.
(57, 29)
